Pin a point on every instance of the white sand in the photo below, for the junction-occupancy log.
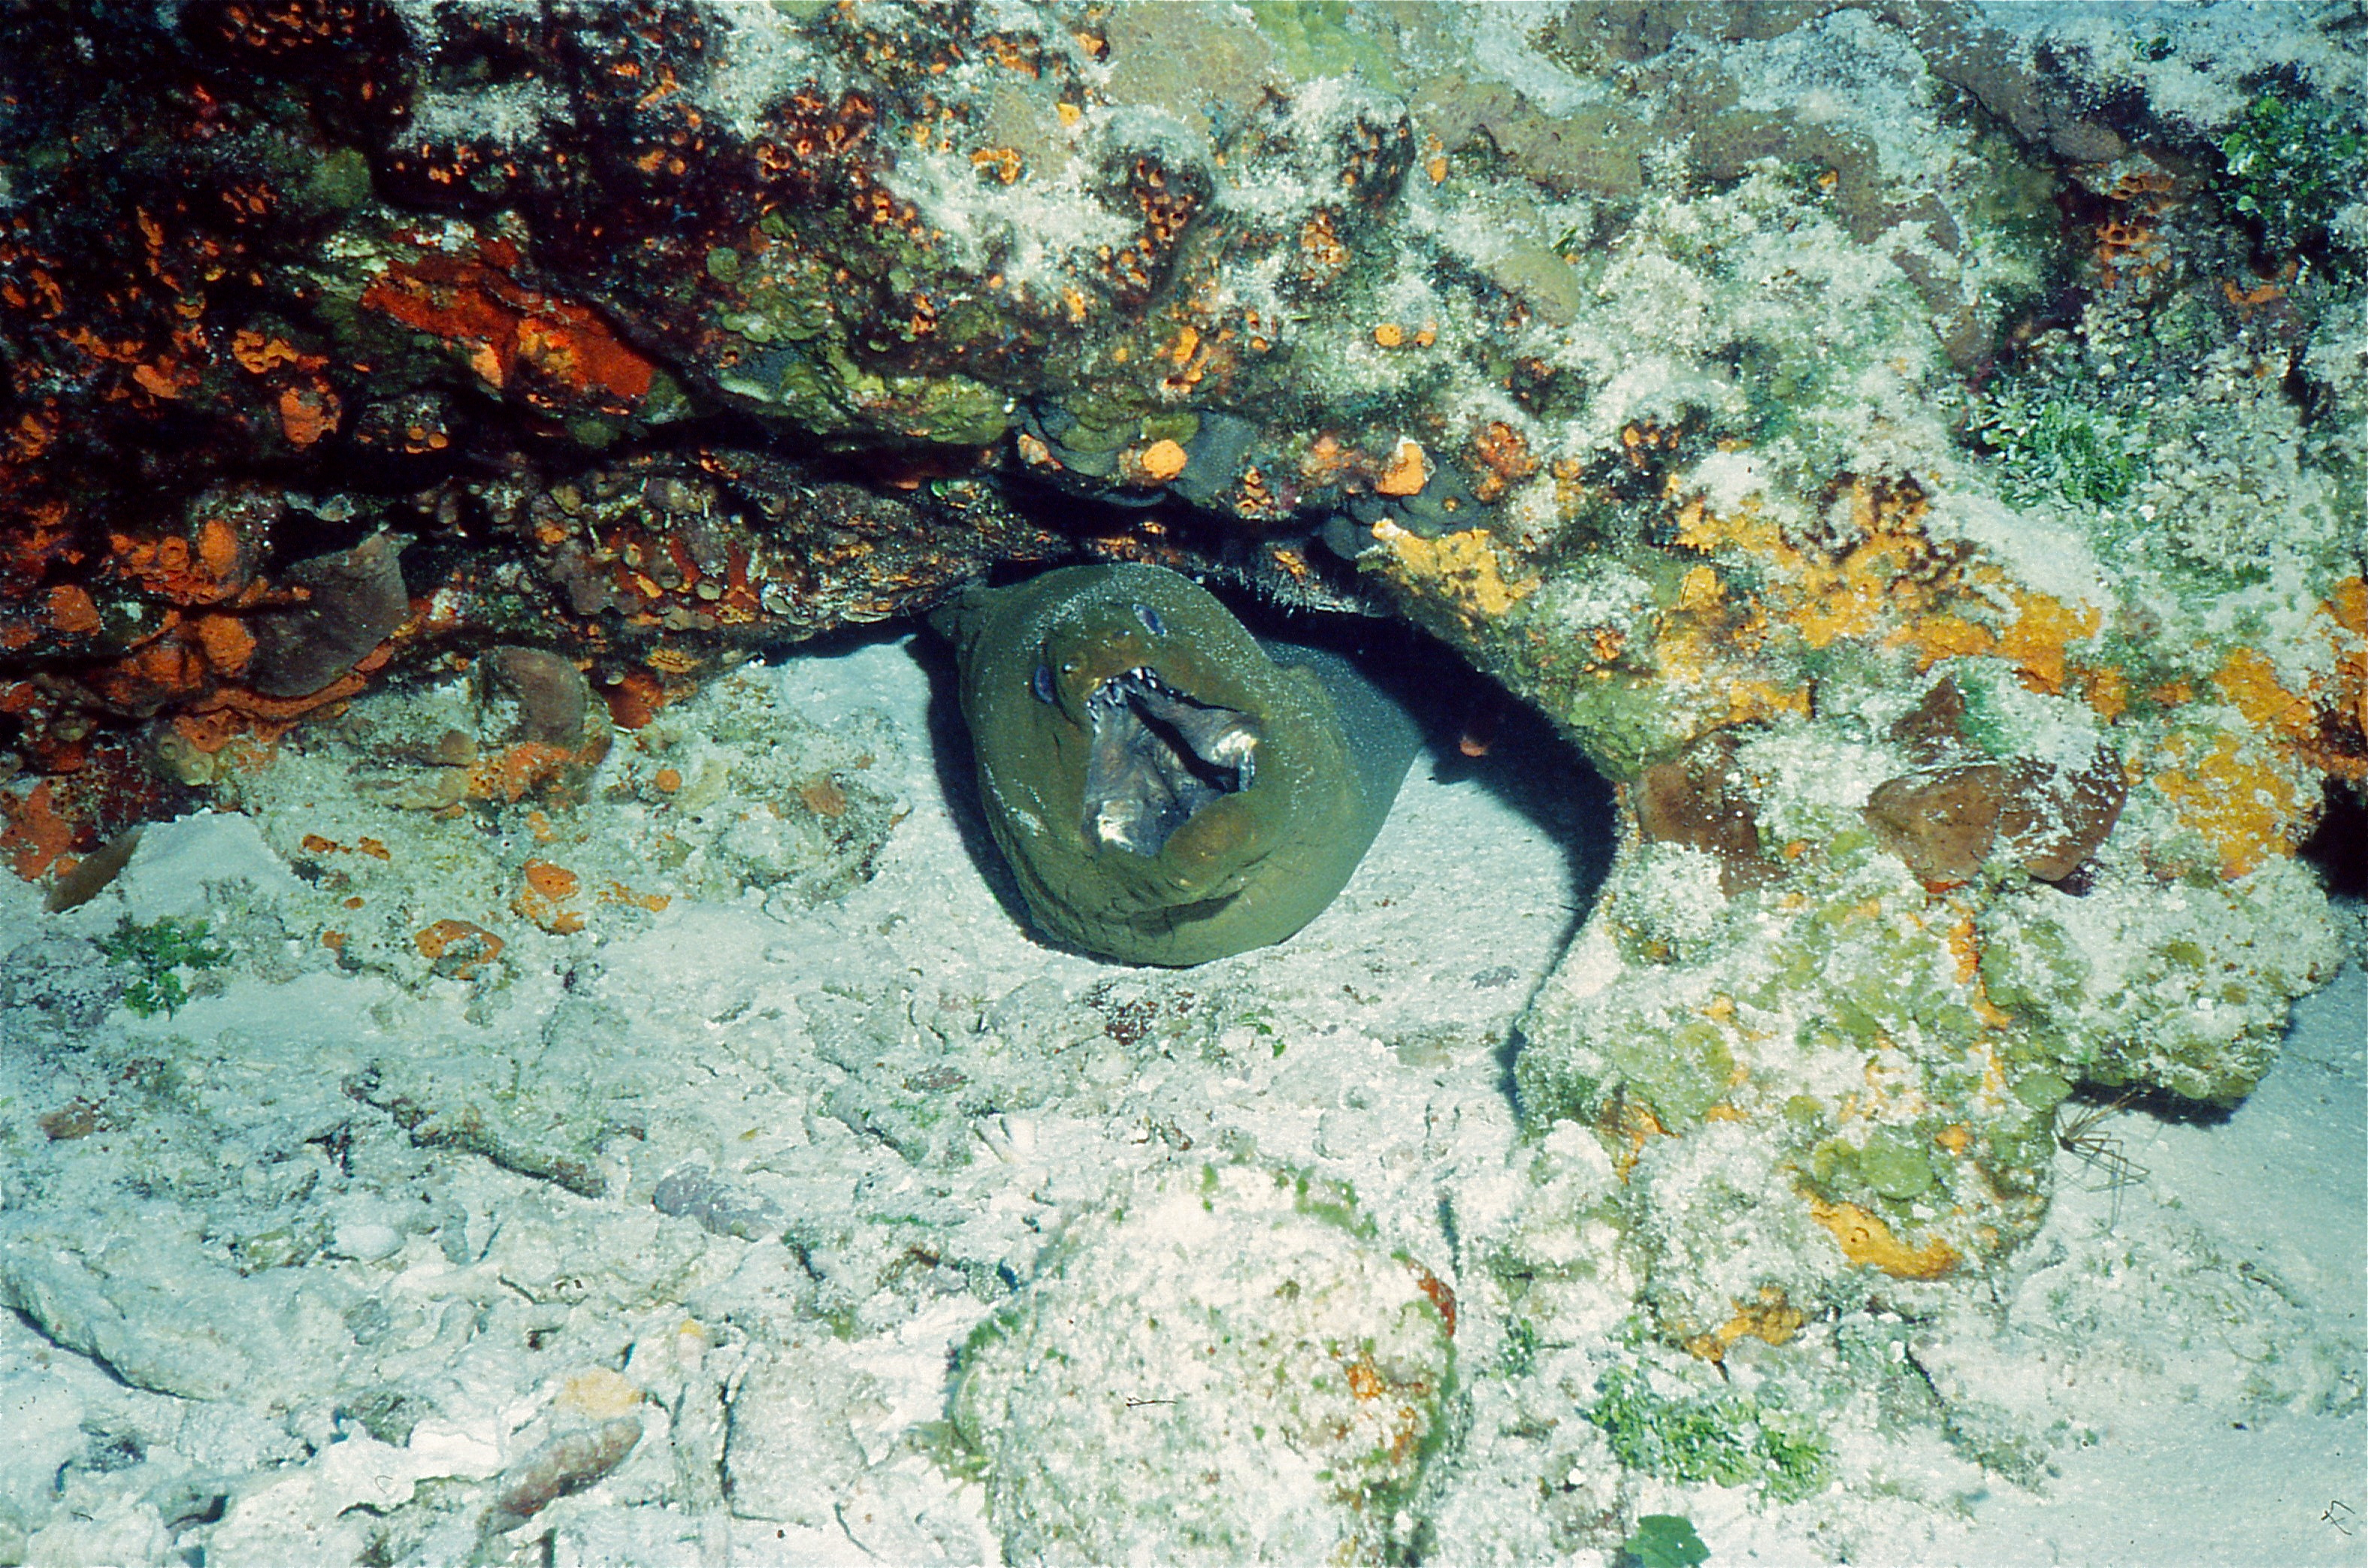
(2183, 1358)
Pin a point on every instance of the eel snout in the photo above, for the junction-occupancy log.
(1158, 757)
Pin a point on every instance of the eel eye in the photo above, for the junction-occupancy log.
(1041, 683)
(1151, 621)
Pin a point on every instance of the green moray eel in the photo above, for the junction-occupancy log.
(1165, 791)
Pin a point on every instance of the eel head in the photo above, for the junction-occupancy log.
(1157, 757)
(1165, 734)
(1164, 790)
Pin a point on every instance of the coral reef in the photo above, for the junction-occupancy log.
(1913, 449)
(1278, 1382)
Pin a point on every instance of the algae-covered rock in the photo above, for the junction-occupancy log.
(1219, 1366)
(439, 824)
(2184, 989)
(1913, 451)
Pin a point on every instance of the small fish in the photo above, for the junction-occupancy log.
(92, 873)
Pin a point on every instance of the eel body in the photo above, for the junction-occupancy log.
(1164, 790)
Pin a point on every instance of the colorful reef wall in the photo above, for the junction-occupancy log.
(1920, 463)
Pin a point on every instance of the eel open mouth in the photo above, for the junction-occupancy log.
(1158, 757)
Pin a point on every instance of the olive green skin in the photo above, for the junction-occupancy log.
(1246, 869)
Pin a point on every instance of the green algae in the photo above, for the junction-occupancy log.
(2292, 161)
(1665, 1541)
(2052, 446)
(1894, 1167)
(1320, 38)
(2188, 995)
(157, 953)
(1725, 1440)
(1681, 1073)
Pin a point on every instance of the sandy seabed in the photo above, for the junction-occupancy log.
(658, 1242)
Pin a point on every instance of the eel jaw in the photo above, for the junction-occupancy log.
(1157, 756)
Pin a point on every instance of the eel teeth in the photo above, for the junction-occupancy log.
(1157, 757)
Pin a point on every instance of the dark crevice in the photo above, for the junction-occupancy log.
(2338, 848)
